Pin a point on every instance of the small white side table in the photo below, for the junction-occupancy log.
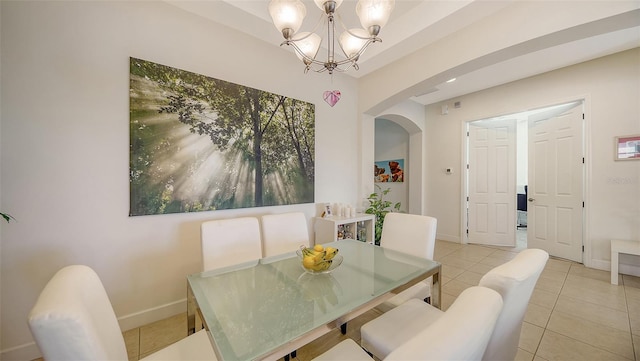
(617, 247)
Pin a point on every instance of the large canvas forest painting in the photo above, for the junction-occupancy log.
(199, 144)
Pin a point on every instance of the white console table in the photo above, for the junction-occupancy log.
(617, 247)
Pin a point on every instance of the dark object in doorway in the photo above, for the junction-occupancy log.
(522, 206)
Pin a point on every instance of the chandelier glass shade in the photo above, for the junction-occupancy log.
(287, 16)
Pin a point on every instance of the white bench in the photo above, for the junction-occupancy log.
(617, 247)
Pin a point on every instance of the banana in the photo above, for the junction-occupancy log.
(316, 260)
(319, 257)
(307, 251)
(330, 253)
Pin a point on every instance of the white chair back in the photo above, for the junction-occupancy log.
(226, 242)
(73, 319)
(514, 281)
(409, 233)
(461, 333)
(413, 234)
(284, 232)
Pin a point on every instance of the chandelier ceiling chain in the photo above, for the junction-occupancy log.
(288, 15)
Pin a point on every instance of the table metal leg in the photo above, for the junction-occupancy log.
(291, 356)
(191, 311)
(436, 289)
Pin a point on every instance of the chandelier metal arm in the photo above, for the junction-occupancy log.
(308, 61)
(351, 51)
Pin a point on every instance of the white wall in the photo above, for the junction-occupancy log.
(611, 87)
(65, 139)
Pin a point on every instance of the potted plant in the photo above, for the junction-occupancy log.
(379, 207)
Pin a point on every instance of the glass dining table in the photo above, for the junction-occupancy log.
(268, 308)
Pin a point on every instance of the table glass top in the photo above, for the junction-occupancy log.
(253, 308)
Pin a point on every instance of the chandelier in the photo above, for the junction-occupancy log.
(288, 15)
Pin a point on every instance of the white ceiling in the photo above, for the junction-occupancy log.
(418, 23)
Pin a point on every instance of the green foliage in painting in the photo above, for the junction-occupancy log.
(199, 143)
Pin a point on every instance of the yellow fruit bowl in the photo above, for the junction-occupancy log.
(318, 262)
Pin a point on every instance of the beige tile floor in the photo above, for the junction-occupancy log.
(574, 313)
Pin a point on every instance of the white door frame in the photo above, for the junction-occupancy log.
(586, 234)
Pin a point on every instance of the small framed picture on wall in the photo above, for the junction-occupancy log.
(389, 171)
(627, 147)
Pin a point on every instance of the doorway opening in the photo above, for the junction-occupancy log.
(524, 180)
(392, 145)
(399, 137)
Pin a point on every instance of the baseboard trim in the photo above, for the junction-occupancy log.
(27, 351)
(600, 264)
(623, 268)
(448, 237)
(144, 317)
(628, 269)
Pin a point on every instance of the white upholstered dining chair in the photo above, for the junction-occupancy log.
(73, 320)
(412, 234)
(461, 333)
(283, 232)
(514, 281)
(226, 242)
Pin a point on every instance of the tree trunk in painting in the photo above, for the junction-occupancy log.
(257, 150)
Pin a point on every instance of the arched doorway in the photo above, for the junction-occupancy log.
(409, 137)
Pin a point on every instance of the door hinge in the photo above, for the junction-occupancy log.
(467, 231)
(467, 199)
(582, 160)
(467, 166)
(582, 116)
(467, 133)
(582, 248)
(582, 204)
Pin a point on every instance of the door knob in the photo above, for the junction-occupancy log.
(531, 199)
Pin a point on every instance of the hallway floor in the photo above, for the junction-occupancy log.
(574, 313)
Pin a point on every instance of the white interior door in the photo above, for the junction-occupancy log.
(556, 168)
(492, 182)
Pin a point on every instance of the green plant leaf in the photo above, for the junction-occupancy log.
(379, 207)
(7, 217)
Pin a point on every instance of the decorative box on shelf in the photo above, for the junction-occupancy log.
(335, 228)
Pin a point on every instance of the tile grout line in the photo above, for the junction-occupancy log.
(139, 344)
(544, 330)
(573, 338)
(624, 291)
